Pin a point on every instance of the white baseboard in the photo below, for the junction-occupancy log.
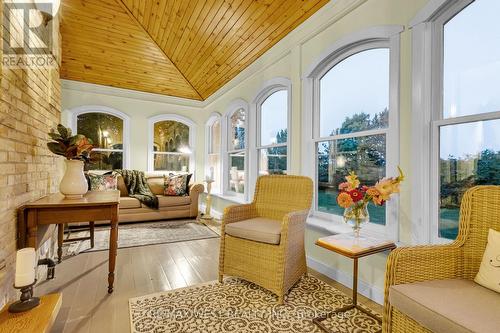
(365, 289)
(215, 213)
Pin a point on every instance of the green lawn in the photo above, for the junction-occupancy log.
(448, 222)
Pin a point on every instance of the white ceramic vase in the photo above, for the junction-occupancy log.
(74, 184)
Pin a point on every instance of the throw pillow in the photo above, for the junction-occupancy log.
(489, 271)
(103, 182)
(176, 185)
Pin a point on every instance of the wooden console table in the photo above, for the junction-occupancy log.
(37, 320)
(55, 209)
(350, 246)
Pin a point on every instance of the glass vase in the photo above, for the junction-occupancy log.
(356, 215)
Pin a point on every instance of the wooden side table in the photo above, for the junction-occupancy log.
(352, 247)
(55, 209)
(37, 320)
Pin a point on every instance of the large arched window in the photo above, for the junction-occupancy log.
(354, 118)
(108, 129)
(353, 94)
(171, 144)
(460, 107)
(236, 148)
(213, 155)
(272, 106)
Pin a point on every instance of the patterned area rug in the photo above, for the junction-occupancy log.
(243, 307)
(140, 234)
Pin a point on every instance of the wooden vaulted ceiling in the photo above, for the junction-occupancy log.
(183, 48)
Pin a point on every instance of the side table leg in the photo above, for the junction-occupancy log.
(318, 320)
(113, 245)
(355, 282)
(60, 239)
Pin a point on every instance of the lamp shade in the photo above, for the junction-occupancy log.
(25, 267)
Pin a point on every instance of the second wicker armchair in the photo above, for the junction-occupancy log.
(263, 242)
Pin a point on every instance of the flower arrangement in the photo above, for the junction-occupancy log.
(73, 147)
(354, 197)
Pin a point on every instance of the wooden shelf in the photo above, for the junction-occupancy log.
(37, 320)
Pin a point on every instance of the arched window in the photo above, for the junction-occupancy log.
(354, 123)
(272, 106)
(213, 158)
(108, 129)
(236, 149)
(460, 106)
(354, 117)
(171, 144)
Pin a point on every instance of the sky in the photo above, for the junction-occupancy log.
(359, 83)
(273, 116)
(472, 78)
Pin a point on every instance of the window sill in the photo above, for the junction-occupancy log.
(228, 197)
(327, 226)
(332, 227)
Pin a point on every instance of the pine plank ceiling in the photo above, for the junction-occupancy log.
(182, 48)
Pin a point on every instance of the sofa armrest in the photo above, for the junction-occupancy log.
(195, 189)
(194, 194)
(419, 263)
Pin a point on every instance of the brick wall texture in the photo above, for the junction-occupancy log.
(29, 108)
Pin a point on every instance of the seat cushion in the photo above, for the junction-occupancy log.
(453, 306)
(257, 229)
(169, 201)
(128, 202)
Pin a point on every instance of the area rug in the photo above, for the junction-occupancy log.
(140, 234)
(243, 307)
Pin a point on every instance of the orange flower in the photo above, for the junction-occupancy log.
(372, 192)
(344, 200)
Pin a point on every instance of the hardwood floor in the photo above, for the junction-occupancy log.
(82, 279)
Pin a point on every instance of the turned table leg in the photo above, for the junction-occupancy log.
(113, 246)
(60, 240)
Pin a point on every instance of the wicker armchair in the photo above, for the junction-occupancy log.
(479, 211)
(284, 201)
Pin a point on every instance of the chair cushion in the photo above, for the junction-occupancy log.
(453, 306)
(128, 202)
(257, 229)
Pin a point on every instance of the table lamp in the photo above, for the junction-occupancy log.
(25, 280)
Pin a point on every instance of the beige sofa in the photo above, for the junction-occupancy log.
(170, 207)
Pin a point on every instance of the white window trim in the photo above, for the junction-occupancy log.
(75, 112)
(375, 37)
(208, 141)
(427, 29)
(233, 107)
(192, 139)
(267, 89)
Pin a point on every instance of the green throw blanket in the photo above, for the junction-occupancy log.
(138, 188)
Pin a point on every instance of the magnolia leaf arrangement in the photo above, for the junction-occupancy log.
(73, 147)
